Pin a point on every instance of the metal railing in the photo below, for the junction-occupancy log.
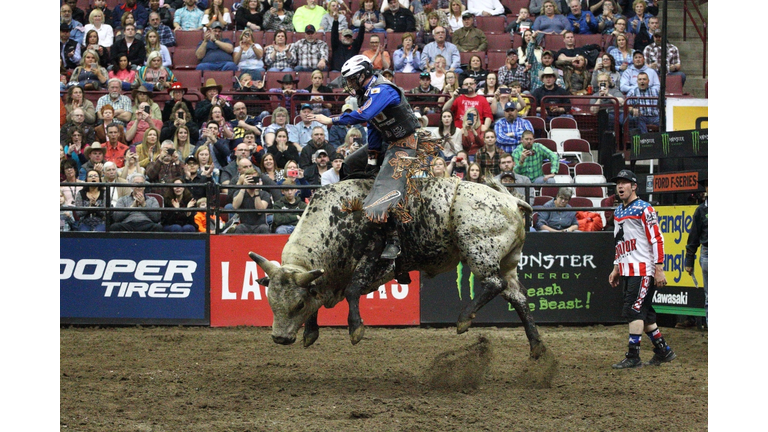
(689, 7)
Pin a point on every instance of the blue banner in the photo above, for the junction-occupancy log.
(133, 280)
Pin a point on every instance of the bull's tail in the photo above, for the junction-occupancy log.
(498, 187)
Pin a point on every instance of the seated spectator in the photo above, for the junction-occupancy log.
(437, 168)
(91, 42)
(241, 160)
(152, 40)
(280, 119)
(513, 70)
(206, 163)
(570, 52)
(450, 84)
(398, 19)
(216, 13)
(561, 106)
(100, 131)
(644, 112)
(91, 196)
(334, 14)
(424, 87)
(285, 223)
(407, 58)
(75, 27)
(77, 120)
(338, 135)
(164, 15)
(129, 46)
(250, 15)
(211, 90)
(604, 107)
(130, 6)
(131, 165)
(94, 153)
(69, 49)
(216, 116)
(332, 175)
(551, 20)
(472, 132)
(149, 147)
(427, 20)
(460, 102)
(77, 13)
(368, 17)
(607, 18)
(215, 52)
(629, 76)
(475, 70)
(181, 118)
(621, 52)
(469, 38)
(142, 94)
(282, 150)
(96, 22)
(178, 197)
(485, 8)
(450, 134)
(345, 47)
(166, 166)
(293, 172)
(127, 220)
(135, 130)
(352, 141)
(475, 173)
(115, 150)
(306, 130)
(76, 99)
(111, 175)
(509, 130)
(529, 158)
(644, 37)
(605, 63)
(320, 104)
(310, 52)
(243, 124)
(490, 87)
(582, 21)
(278, 57)
(278, 18)
(73, 150)
(576, 76)
(66, 217)
(123, 71)
(193, 175)
(455, 12)
(251, 198)
(560, 221)
(319, 165)
(89, 75)
(489, 155)
(378, 54)
(639, 18)
(190, 17)
(440, 47)
(122, 104)
(521, 24)
(547, 61)
(652, 54)
(249, 56)
(69, 174)
(509, 178)
(128, 19)
(310, 150)
(439, 76)
(458, 165)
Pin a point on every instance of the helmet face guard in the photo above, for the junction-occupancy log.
(355, 71)
(354, 84)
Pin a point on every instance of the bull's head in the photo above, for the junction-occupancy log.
(292, 296)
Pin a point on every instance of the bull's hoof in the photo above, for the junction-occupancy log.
(310, 338)
(463, 326)
(537, 351)
(356, 335)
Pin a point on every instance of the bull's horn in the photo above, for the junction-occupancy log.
(268, 266)
(304, 279)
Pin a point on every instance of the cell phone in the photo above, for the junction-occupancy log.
(505, 90)
(358, 140)
(132, 149)
(603, 85)
(146, 109)
(180, 115)
(170, 151)
(470, 118)
(463, 91)
(459, 159)
(292, 173)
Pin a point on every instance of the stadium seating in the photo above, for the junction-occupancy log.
(223, 78)
(577, 149)
(548, 143)
(184, 58)
(189, 78)
(499, 42)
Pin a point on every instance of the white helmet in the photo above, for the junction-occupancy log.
(355, 65)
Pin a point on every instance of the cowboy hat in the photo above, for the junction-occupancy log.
(92, 147)
(288, 79)
(177, 86)
(209, 84)
(140, 89)
(547, 71)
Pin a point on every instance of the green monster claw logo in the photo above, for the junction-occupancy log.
(459, 271)
(695, 139)
(665, 143)
(636, 145)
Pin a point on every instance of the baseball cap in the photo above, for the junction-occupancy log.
(191, 159)
(347, 32)
(336, 155)
(309, 29)
(425, 75)
(657, 32)
(512, 51)
(216, 24)
(638, 52)
(625, 175)
(547, 52)
(305, 106)
(510, 106)
(507, 174)
(467, 15)
(319, 152)
(347, 107)
(65, 27)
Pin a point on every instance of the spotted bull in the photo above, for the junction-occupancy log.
(333, 254)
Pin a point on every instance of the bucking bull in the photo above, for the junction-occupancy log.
(333, 255)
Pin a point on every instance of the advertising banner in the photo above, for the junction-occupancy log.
(122, 280)
(677, 144)
(565, 276)
(237, 299)
(680, 293)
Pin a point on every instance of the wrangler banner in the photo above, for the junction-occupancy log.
(238, 299)
(136, 279)
(565, 276)
(676, 144)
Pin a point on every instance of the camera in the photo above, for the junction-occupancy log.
(471, 118)
(459, 159)
(180, 115)
(292, 173)
(132, 149)
(505, 90)
(170, 151)
(603, 86)
(147, 109)
(463, 91)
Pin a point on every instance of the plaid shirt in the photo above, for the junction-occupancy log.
(652, 54)
(531, 167)
(123, 102)
(167, 37)
(648, 107)
(503, 127)
(506, 76)
(308, 53)
(489, 164)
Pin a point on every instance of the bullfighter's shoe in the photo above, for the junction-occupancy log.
(628, 363)
(659, 358)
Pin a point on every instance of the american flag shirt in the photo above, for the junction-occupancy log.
(638, 239)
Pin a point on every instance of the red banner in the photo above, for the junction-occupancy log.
(236, 298)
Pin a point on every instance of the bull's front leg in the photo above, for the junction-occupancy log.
(492, 286)
(367, 273)
(514, 295)
(311, 330)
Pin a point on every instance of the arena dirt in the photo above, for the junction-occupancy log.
(414, 379)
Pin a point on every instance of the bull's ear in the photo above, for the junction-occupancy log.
(313, 291)
(306, 278)
(263, 281)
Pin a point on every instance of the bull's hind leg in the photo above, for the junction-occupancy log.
(492, 286)
(311, 330)
(514, 295)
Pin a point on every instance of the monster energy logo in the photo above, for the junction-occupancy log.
(695, 138)
(665, 143)
(636, 145)
(459, 271)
